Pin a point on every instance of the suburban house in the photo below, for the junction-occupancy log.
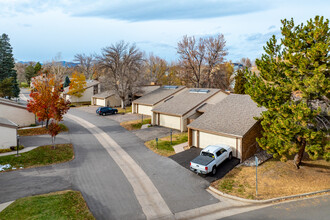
(16, 113)
(230, 122)
(8, 133)
(107, 98)
(92, 88)
(146, 103)
(179, 110)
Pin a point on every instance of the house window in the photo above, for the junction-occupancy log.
(95, 89)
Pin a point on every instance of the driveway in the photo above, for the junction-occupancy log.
(186, 156)
(153, 132)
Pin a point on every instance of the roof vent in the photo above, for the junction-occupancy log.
(170, 87)
(199, 91)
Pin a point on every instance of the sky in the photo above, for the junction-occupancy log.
(44, 30)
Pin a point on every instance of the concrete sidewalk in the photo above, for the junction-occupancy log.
(180, 147)
(27, 149)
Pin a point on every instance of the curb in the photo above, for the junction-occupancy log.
(24, 128)
(267, 200)
(5, 205)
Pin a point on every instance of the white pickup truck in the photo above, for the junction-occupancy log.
(210, 158)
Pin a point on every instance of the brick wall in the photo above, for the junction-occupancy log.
(249, 144)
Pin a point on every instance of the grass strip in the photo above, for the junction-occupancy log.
(136, 124)
(59, 205)
(41, 156)
(164, 146)
(39, 131)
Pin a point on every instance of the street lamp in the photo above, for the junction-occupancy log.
(17, 147)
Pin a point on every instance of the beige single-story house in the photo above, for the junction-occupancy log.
(178, 111)
(107, 98)
(16, 113)
(229, 122)
(92, 88)
(8, 133)
(146, 103)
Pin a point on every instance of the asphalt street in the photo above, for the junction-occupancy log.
(102, 182)
(313, 208)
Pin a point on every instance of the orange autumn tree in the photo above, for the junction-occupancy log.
(46, 101)
(77, 85)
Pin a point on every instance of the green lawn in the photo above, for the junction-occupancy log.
(58, 205)
(164, 146)
(39, 131)
(40, 156)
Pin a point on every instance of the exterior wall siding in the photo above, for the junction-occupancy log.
(170, 121)
(144, 109)
(206, 139)
(8, 137)
(86, 96)
(20, 116)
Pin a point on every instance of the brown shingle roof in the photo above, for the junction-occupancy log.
(234, 115)
(105, 94)
(7, 123)
(143, 90)
(157, 95)
(12, 103)
(184, 102)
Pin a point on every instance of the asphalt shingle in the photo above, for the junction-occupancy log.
(185, 101)
(234, 115)
(157, 95)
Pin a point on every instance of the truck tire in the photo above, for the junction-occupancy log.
(214, 170)
(230, 156)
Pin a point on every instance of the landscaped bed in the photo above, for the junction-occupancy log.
(59, 205)
(164, 146)
(276, 179)
(136, 124)
(41, 156)
(38, 131)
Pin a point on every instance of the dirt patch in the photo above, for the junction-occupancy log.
(276, 179)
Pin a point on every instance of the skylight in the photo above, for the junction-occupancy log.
(199, 91)
(170, 87)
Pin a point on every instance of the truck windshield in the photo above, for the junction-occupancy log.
(208, 154)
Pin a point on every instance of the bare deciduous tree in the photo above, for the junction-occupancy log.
(121, 64)
(200, 57)
(156, 69)
(86, 64)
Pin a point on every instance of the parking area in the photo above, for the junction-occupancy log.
(118, 117)
(186, 156)
(154, 132)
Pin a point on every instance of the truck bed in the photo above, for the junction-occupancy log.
(202, 160)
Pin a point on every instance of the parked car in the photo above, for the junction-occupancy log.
(210, 158)
(106, 110)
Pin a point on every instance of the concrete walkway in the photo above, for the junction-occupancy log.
(180, 147)
(27, 149)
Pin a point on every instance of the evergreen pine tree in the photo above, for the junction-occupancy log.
(240, 81)
(293, 84)
(66, 82)
(7, 63)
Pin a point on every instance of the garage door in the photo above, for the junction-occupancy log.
(100, 102)
(144, 109)
(206, 139)
(169, 121)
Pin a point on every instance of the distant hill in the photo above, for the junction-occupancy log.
(63, 63)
